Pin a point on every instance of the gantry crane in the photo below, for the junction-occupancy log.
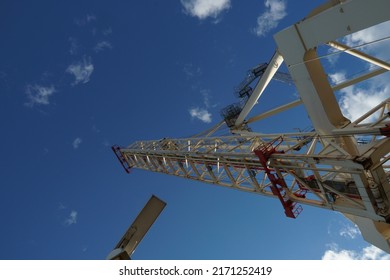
(326, 167)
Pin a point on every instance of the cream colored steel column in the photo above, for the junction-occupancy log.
(272, 68)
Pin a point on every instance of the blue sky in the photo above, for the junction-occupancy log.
(79, 76)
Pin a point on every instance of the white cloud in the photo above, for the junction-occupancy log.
(77, 142)
(201, 114)
(275, 11)
(355, 101)
(101, 46)
(369, 39)
(72, 219)
(368, 253)
(205, 8)
(206, 97)
(350, 231)
(37, 94)
(337, 77)
(359, 101)
(368, 35)
(191, 71)
(81, 70)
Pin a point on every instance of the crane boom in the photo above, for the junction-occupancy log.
(327, 167)
(309, 169)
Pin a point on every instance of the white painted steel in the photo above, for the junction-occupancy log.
(272, 68)
(298, 45)
(360, 54)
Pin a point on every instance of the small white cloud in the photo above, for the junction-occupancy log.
(81, 70)
(40, 95)
(350, 231)
(76, 143)
(332, 56)
(191, 71)
(205, 8)
(337, 77)
(275, 11)
(101, 46)
(201, 114)
(355, 101)
(368, 253)
(72, 219)
(206, 97)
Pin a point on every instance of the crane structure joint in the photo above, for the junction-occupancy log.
(117, 151)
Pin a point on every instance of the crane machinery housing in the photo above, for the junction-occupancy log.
(328, 167)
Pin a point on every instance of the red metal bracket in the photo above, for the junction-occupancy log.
(278, 184)
(117, 150)
(385, 130)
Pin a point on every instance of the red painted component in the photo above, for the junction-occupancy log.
(278, 187)
(385, 130)
(117, 150)
(300, 193)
